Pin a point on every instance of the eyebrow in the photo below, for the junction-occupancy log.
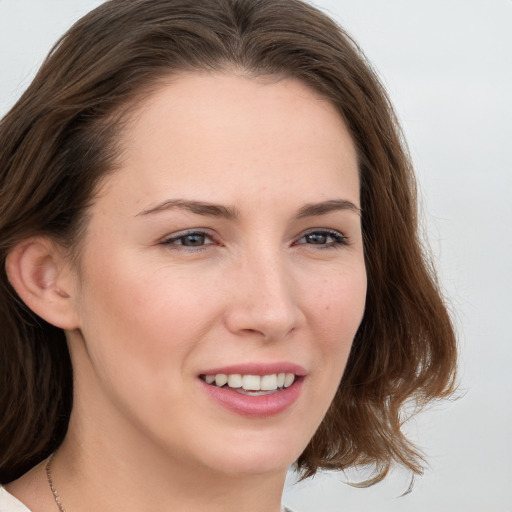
(197, 207)
(232, 213)
(313, 209)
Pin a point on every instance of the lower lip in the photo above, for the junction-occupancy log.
(263, 406)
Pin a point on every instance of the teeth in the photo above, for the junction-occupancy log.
(220, 379)
(270, 382)
(288, 380)
(235, 381)
(251, 382)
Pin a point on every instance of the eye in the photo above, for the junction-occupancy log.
(193, 239)
(324, 238)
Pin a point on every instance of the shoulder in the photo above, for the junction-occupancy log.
(8, 503)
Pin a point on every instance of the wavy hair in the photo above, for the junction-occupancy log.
(61, 138)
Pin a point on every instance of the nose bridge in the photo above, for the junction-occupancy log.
(265, 301)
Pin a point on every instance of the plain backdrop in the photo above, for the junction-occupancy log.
(447, 65)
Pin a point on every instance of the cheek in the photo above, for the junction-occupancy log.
(338, 301)
(136, 312)
(336, 310)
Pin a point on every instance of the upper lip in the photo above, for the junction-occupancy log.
(257, 369)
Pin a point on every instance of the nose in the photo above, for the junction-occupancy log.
(264, 300)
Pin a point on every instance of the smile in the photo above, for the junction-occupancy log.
(253, 385)
(254, 390)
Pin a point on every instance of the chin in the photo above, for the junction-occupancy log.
(257, 454)
(254, 464)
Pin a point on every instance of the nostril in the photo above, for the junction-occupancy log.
(266, 310)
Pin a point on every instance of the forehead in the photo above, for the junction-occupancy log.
(223, 133)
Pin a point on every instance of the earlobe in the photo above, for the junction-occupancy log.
(38, 272)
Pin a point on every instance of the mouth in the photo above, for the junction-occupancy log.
(251, 385)
(255, 390)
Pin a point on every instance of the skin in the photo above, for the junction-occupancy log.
(147, 314)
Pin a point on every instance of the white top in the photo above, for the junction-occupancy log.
(8, 503)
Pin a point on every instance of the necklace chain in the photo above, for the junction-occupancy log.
(52, 487)
(48, 469)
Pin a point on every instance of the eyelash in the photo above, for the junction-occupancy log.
(182, 236)
(338, 239)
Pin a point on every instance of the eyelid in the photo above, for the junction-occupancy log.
(340, 238)
(169, 239)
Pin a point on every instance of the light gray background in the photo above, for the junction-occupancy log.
(448, 67)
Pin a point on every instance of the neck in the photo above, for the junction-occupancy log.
(145, 479)
(112, 460)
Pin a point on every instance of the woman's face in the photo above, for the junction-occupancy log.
(227, 244)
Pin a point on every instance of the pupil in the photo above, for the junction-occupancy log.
(317, 238)
(193, 240)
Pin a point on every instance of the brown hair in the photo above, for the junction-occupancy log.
(60, 139)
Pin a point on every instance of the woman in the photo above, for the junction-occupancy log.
(210, 264)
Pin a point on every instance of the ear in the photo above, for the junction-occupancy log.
(42, 277)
